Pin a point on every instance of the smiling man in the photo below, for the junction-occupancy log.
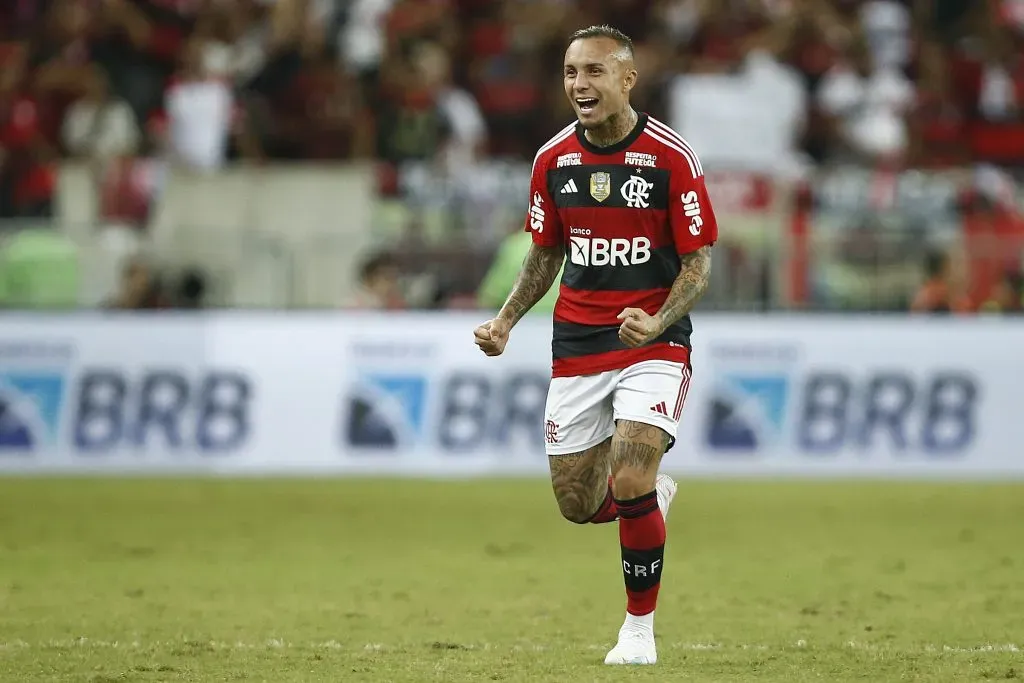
(624, 195)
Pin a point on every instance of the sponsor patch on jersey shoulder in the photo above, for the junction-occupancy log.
(570, 159)
(641, 159)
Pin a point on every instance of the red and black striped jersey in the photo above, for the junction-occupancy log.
(624, 214)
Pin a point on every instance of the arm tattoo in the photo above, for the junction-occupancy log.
(535, 279)
(689, 287)
(580, 481)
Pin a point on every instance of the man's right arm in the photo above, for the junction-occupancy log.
(540, 268)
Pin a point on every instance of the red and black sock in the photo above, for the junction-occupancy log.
(642, 537)
(608, 511)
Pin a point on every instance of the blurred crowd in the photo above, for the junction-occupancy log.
(781, 87)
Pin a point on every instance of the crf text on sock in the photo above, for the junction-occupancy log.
(641, 569)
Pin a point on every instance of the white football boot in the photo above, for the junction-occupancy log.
(636, 637)
(636, 642)
(666, 487)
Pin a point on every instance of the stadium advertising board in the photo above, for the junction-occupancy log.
(804, 396)
(240, 393)
(119, 394)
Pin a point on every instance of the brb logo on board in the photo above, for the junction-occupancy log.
(48, 402)
(764, 397)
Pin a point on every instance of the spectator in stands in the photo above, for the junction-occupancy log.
(140, 287)
(453, 85)
(410, 125)
(1001, 84)
(379, 286)
(466, 133)
(139, 43)
(886, 26)
(739, 98)
(62, 49)
(937, 121)
(100, 126)
(198, 115)
(26, 174)
(361, 41)
(39, 269)
(234, 42)
(941, 290)
(866, 106)
(191, 290)
(1008, 295)
(321, 114)
(501, 276)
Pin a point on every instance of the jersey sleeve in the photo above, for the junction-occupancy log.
(542, 220)
(692, 217)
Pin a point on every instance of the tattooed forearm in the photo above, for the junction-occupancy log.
(580, 481)
(689, 287)
(540, 268)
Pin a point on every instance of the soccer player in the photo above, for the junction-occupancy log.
(624, 196)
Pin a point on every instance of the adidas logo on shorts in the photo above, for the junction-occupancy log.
(660, 408)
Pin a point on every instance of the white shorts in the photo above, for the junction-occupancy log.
(581, 411)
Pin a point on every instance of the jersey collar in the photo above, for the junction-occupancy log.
(620, 146)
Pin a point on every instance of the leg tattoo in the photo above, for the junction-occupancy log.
(636, 454)
(580, 482)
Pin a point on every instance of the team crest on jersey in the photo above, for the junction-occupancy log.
(600, 185)
(637, 192)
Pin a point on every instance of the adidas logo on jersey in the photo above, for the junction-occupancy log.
(569, 187)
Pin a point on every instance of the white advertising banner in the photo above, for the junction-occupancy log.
(340, 393)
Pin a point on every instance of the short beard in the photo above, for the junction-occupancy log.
(613, 129)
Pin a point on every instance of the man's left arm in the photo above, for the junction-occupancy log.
(694, 230)
(689, 287)
(639, 328)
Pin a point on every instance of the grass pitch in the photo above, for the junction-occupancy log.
(360, 580)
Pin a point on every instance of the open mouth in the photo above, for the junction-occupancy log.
(586, 104)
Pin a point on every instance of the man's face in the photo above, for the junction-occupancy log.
(597, 81)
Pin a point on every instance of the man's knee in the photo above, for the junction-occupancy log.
(629, 483)
(580, 481)
(573, 506)
(636, 454)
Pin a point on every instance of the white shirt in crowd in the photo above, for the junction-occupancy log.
(749, 121)
(361, 42)
(468, 129)
(871, 108)
(998, 97)
(887, 30)
(199, 117)
(100, 130)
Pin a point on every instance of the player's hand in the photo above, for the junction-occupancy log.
(638, 328)
(492, 336)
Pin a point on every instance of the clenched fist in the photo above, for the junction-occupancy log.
(492, 336)
(638, 328)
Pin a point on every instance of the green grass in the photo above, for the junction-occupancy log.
(361, 580)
